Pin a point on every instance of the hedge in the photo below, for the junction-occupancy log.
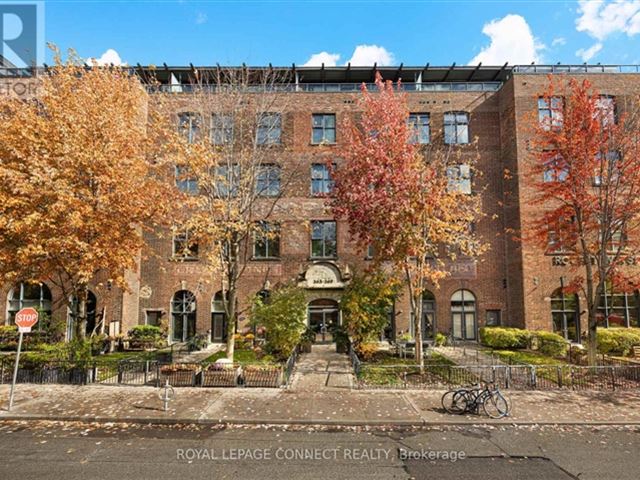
(503, 337)
(549, 343)
(617, 341)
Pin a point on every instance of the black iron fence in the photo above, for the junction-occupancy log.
(147, 372)
(516, 377)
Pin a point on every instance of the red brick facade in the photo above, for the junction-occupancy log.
(514, 278)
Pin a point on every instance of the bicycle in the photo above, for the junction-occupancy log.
(469, 400)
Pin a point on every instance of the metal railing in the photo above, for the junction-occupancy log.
(147, 373)
(333, 87)
(290, 365)
(576, 69)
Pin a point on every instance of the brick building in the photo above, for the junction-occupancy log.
(513, 284)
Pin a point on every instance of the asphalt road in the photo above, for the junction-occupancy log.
(121, 452)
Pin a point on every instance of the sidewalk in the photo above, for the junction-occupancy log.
(333, 406)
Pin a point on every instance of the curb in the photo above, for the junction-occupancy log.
(305, 422)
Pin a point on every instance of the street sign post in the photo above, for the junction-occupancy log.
(25, 319)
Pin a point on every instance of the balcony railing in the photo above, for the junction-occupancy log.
(576, 69)
(338, 87)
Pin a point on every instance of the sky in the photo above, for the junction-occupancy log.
(336, 32)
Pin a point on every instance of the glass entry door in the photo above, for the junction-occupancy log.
(183, 316)
(323, 317)
(463, 315)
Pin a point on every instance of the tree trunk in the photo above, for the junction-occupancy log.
(231, 297)
(81, 313)
(417, 326)
(592, 339)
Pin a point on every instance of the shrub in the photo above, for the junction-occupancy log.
(146, 336)
(617, 341)
(284, 317)
(502, 337)
(366, 351)
(440, 340)
(551, 344)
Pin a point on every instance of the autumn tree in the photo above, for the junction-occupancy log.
(587, 177)
(80, 179)
(410, 203)
(234, 122)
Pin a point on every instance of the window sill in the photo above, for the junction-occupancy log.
(317, 259)
(183, 259)
(323, 144)
(266, 259)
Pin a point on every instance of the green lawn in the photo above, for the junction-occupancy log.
(387, 369)
(525, 357)
(242, 357)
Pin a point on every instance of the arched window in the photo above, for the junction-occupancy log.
(183, 316)
(428, 314)
(619, 309)
(218, 318)
(463, 315)
(36, 295)
(73, 311)
(565, 315)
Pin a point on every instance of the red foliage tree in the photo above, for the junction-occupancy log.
(587, 177)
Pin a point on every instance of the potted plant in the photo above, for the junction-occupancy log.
(179, 374)
(262, 376)
(219, 374)
(341, 338)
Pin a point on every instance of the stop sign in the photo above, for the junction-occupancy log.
(26, 318)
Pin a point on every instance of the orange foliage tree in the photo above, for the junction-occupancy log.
(80, 179)
(404, 200)
(587, 177)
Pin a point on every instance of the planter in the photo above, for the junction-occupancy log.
(305, 347)
(262, 376)
(178, 376)
(342, 347)
(219, 377)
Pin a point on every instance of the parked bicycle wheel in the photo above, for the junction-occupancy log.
(496, 405)
(455, 401)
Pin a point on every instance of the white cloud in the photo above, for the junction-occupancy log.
(588, 53)
(511, 41)
(201, 18)
(365, 55)
(558, 42)
(109, 57)
(601, 19)
(317, 59)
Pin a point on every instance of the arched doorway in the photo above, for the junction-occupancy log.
(463, 315)
(218, 319)
(565, 315)
(183, 316)
(36, 295)
(428, 315)
(73, 312)
(323, 315)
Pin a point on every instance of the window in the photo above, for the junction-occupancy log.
(370, 251)
(269, 129)
(152, 317)
(428, 314)
(227, 180)
(321, 183)
(218, 318)
(185, 181)
(493, 318)
(459, 179)
(556, 170)
(323, 239)
(189, 126)
(565, 315)
(184, 248)
(268, 181)
(419, 127)
(456, 128)
(183, 316)
(617, 309)
(36, 295)
(550, 112)
(266, 242)
(324, 128)
(221, 129)
(560, 236)
(463, 315)
(606, 110)
(73, 314)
